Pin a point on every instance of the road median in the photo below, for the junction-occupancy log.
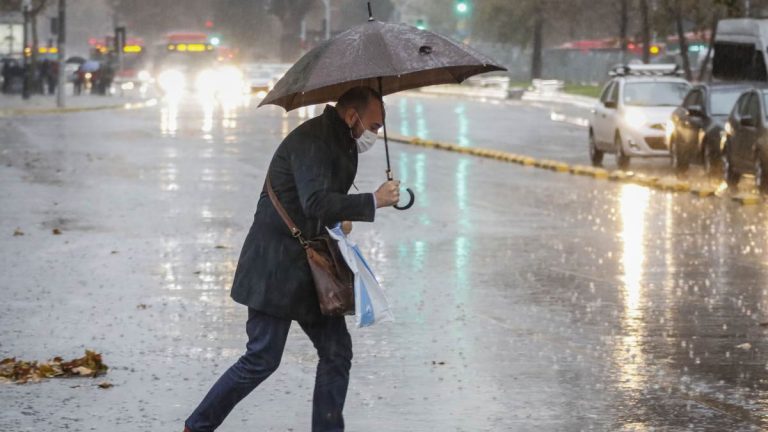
(669, 184)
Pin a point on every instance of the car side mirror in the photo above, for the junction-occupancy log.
(748, 121)
(610, 104)
(696, 111)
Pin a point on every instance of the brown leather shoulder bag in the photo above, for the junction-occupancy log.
(334, 281)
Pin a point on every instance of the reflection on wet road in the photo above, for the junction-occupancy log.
(524, 300)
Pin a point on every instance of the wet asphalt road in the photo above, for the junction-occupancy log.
(525, 300)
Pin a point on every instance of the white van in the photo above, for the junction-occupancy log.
(740, 50)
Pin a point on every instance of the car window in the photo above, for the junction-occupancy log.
(614, 95)
(654, 93)
(693, 99)
(743, 104)
(753, 107)
(606, 91)
(723, 101)
(765, 103)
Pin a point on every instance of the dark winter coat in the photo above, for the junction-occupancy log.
(311, 172)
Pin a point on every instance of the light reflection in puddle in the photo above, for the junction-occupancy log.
(633, 206)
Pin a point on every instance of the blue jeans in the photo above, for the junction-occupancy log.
(266, 341)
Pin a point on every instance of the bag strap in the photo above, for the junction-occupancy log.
(295, 231)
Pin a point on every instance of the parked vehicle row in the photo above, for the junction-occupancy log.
(647, 111)
(650, 111)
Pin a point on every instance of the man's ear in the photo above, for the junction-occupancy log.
(349, 117)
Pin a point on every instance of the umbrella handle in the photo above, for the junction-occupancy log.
(411, 200)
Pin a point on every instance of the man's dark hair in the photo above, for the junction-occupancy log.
(357, 98)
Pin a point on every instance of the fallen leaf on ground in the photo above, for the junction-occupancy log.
(105, 385)
(220, 247)
(20, 371)
(141, 306)
(56, 231)
(745, 346)
(18, 232)
(82, 371)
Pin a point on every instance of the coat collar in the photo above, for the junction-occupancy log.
(338, 127)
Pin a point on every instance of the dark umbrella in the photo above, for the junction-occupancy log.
(75, 60)
(390, 57)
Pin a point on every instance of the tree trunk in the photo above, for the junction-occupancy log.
(623, 29)
(708, 57)
(538, 29)
(683, 42)
(646, 31)
(35, 69)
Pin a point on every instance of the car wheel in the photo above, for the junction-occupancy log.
(622, 160)
(712, 163)
(595, 155)
(677, 157)
(731, 176)
(761, 174)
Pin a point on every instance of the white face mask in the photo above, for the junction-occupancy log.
(366, 140)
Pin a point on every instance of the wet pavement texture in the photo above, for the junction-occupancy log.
(525, 300)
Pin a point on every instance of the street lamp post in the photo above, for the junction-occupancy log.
(25, 61)
(327, 4)
(61, 39)
(462, 9)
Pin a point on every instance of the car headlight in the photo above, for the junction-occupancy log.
(206, 81)
(728, 128)
(669, 129)
(171, 81)
(635, 118)
(143, 76)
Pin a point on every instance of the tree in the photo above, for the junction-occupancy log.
(537, 61)
(645, 20)
(290, 13)
(623, 28)
(675, 9)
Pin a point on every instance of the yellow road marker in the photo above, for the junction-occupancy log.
(746, 199)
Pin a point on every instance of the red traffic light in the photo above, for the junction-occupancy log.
(208, 24)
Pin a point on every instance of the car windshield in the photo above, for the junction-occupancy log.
(654, 93)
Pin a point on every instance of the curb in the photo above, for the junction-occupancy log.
(667, 184)
(36, 111)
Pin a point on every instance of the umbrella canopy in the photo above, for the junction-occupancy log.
(403, 56)
(75, 60)
(90, 66)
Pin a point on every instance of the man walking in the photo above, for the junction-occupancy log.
(311, 172)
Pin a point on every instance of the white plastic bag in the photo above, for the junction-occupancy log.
(371, 305)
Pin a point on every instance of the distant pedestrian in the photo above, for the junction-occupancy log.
(79, 80)
(53, 77)
(310, 173)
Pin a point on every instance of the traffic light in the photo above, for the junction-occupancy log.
(462, 7)
(420, 24)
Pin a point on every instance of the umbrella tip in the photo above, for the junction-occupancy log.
(370, 12)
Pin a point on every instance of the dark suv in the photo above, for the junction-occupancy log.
(696, 126)
(745, 143)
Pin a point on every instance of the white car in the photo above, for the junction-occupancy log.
(631, 117)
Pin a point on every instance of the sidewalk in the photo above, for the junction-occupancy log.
(13, 104)
(497, 93)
